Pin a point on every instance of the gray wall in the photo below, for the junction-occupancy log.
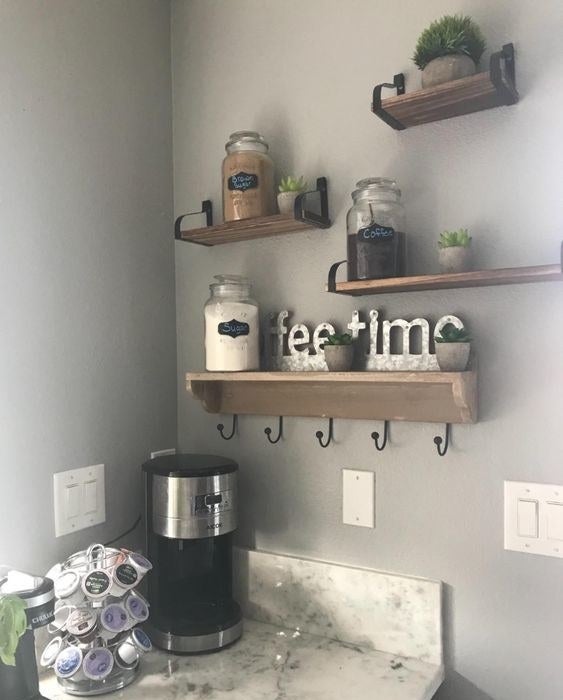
(86, 259)
(302, 73)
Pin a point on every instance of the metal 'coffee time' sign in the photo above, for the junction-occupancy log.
(296, 349)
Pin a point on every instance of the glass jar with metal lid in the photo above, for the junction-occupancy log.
(232, 333)
(376, 230)
(248, 177)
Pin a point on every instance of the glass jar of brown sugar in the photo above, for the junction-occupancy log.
(376, 230)
(248, 177)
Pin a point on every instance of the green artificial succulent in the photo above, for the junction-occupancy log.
(339, 339)
(451, 334)
(455, 239)
(292, 184)
(13, 623)
(451, 34)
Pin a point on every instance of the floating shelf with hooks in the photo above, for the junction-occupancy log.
(492, 88)
(434, 397)
(303, 219)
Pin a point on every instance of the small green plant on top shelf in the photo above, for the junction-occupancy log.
(13, 623)
(453, 346)
(454, 254)
(290, 187)
(339, 352)
(449, 49)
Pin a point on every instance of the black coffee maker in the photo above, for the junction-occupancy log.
(191, 504)
(20, 682)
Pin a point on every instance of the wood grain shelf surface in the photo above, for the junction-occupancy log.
(458, 280)
(434, 397)
(246, 230)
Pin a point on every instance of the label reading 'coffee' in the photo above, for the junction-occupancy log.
(97, 583)
(126, 575)
(243, 181)
(233, 328)
(375, 233)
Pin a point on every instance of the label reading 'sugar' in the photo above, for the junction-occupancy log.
(375, 233)
(242, 181)
(233, 328)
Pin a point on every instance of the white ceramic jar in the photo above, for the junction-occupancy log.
(232, 332)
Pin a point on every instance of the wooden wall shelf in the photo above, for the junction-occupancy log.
(260, 227)
(458, 280)
(492, 88)
(433, 397)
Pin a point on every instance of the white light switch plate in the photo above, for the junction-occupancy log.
(358, 498)
(533, 518)
(80, 499)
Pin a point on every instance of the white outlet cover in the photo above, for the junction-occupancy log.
(80, 499)
(533, 518)
(358, 498)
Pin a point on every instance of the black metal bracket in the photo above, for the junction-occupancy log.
(206, 208)
(375, 437)
(438, 442)
(376, 107)
(221, 428)
(301, 213)
(268, 432)
(331, 282)
(504, 81)
(320, 435)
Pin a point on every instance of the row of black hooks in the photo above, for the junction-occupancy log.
(380, 442)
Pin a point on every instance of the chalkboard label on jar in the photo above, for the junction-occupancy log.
(242, 181)
(233, 328)
(374, 233)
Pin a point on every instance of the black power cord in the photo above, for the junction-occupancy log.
(127, 532)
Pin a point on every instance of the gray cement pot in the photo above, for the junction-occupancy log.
(286, 202)
(452, 357)
(454, 259)
(446, 68)
(339, 358)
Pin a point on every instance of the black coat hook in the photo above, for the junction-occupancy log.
(319, 435)
(221, 427)
(375, 437)
(268, 432)
(438, 442)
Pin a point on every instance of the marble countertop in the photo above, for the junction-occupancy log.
(273, 663)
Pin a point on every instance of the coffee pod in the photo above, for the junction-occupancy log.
(96, 585)
(124, 577)
(113, 620)
(68, 662)
(51, 651)
(141, 563)
(60, 620)
(67, 587)
(98, 664)
(131, 648)
(137, 608)
(141, 640)
(82, 624)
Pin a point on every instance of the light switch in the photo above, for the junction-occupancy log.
(554, 521)
(533, 518)
(527, 512)
(79, 496)
(90, 499)
(72, 501)
(358, 498)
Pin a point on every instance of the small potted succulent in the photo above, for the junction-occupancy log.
(449, 49)
(453, 346)
(289, 188)
(339, 352)
(454, 251)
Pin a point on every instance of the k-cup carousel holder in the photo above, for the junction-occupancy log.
(98, 644)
